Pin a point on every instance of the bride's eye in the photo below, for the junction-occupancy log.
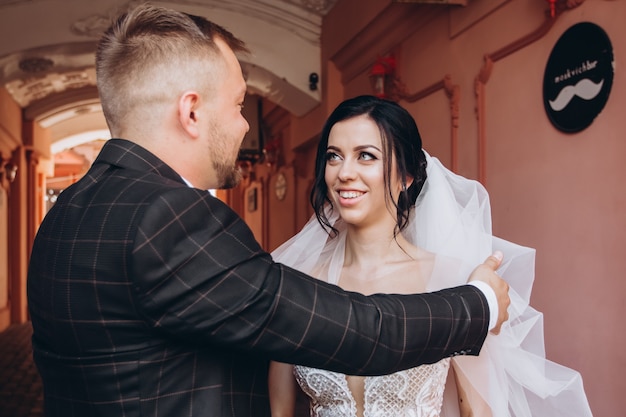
(366, 156)
(332, 156)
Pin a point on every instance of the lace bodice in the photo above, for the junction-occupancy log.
(417, 392)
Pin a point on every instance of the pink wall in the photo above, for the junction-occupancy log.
(561, 194)
(564, 195)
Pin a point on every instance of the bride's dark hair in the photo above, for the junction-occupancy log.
(399, 136)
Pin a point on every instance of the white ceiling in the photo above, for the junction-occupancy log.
(47, 54)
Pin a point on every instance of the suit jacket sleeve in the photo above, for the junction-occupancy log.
(200, 275)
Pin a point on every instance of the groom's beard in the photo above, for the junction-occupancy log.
(228, 176)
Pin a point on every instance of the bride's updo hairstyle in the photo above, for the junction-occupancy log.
(399, 137)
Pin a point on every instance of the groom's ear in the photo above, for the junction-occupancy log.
(187, 117)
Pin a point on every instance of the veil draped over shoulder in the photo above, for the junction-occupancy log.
(452, 219)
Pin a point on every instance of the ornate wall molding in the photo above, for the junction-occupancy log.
(453, 92)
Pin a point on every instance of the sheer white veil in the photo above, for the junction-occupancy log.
(452, 218)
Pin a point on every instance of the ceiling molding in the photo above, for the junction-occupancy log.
(54, 65)
(397, 21)
(55, 104)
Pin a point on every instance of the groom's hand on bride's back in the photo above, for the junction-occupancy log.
(486, 272)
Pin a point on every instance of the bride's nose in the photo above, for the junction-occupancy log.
(347, 171)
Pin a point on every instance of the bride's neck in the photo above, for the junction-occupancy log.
(370, 247)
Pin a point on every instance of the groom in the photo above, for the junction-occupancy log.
(149, 297)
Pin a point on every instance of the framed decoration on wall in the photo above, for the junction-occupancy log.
(578, 77)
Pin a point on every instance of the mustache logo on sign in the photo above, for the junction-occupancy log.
(585, 89)
(580, 65)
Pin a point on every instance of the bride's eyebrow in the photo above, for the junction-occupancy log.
(363, 147)
(356, 148)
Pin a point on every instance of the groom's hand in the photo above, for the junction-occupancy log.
(486, 272)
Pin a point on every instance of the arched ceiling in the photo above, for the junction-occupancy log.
(47, 54)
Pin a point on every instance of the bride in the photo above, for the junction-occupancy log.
(391, 219)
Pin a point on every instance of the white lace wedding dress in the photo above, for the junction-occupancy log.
(511, 376)
(416, 392)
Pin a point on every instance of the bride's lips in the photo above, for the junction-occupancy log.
(349, 197)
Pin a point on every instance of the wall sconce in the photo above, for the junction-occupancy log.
(382, 76)
(385, 82)
(9, 171)
(245, 166)
(271, 152)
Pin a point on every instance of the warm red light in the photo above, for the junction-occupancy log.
(382, 70)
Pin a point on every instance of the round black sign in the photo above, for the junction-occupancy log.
(578, 77)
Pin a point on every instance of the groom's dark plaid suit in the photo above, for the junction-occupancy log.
(151, 298)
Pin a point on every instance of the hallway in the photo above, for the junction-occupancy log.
(20, 385)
